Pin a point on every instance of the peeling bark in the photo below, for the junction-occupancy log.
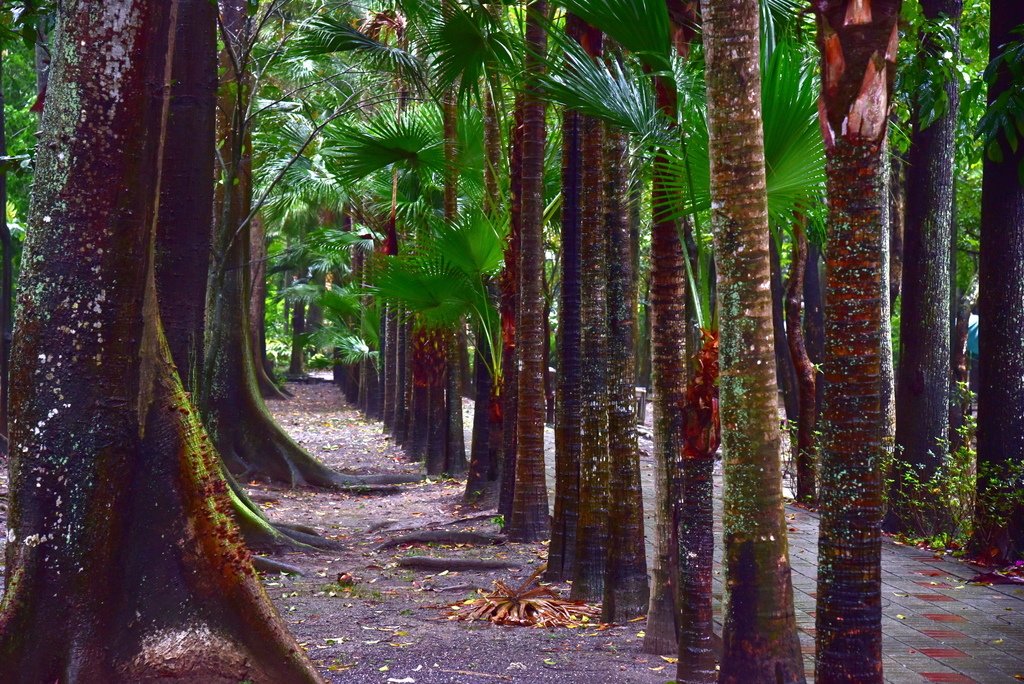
(848, 621)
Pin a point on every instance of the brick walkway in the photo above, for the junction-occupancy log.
(936, 627)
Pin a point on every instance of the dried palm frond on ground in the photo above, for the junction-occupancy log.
(527, 604)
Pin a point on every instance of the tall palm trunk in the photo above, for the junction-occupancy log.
(759, 641)
(487, 433)
(858, 42)
(999, 531)
(529, 520)
(455, 444)
(625, 582)
(562, 551)
(668, 381)
(922, 383)
(805, 372)
(592, 523)
(510, 296)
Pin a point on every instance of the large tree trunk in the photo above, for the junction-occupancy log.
(805, 372)
(592, 523)
(258, 310)
(999, 530)
(248, 439)
(6, 281)
(562, 551)
(120, 489)
(858, 45)
(487, 438)
(759, 641)
(625, 581)
(529, 520)
(922, 383)
(668, 381)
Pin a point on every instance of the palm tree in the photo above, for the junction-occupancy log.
(805, 371)
(626, 592)
(759, 641)
(562, 551)
(592, 522)
(529, 514)
(858, 45)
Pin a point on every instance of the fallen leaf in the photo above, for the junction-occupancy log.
(669, 659)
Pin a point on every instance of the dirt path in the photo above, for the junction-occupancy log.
(391, 625)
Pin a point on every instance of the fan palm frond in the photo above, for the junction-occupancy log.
(326, 34)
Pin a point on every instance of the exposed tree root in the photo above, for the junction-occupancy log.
(454, 564)
(444, 537)
(255, 447)
(263, 535)
(268, 565)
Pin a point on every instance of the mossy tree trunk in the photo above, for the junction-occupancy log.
(562, 551)
(858, 43)
(999, 531)
(248, 439)
(113, 479)
(759, 640)
(529, 519)
(922, 383)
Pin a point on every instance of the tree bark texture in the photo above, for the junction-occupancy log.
(626, 593)
(246, 436)
(562, 551)
(122, 490)
(1001, 328)
(258, 309)
(530, 520)
(510, 302)
(858, 43)
(668, 380)
(592, 523)
(922, 383)
(759, 641)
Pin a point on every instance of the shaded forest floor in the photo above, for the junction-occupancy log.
(387, 623)
(392, 624)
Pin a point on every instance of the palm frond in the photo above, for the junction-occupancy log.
(414, 141)
(611, 92)
(325, 35)
(639, 26)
